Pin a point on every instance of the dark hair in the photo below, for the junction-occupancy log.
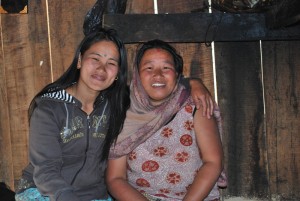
(117, 94)
(178, 61)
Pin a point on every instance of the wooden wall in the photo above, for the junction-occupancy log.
(257, 89)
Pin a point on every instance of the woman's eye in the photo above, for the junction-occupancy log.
(167, 67)
(112, 64)
(96, 59)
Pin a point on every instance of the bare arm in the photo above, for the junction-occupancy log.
(209, 144)
(117, 182)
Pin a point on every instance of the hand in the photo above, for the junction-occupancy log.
(202, 97)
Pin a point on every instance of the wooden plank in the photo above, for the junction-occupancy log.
(196, 27)
(66, 31)
(19, 82)
(24, 46)
(241, 101)
(39, 47)
(178, 6)
(139, 6)
(282, 92)
(6, 164)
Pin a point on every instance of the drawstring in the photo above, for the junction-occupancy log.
(98, 123)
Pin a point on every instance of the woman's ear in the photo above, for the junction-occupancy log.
(79, 62)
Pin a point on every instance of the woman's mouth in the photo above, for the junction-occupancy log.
(99, 77)
(158, 85)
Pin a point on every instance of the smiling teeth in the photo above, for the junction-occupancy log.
(158, 85)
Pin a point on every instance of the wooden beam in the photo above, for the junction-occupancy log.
(196, 27)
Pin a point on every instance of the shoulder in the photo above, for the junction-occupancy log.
(52, 104)
(61, 96)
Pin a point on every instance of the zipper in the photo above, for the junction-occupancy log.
(88, 134)
(86, 149)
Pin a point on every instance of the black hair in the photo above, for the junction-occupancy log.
(117, 94)
(156, 43)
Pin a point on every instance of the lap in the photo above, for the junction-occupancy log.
(33, 194)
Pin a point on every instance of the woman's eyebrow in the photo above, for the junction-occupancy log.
(104, 55)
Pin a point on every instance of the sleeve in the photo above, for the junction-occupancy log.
(45, 154)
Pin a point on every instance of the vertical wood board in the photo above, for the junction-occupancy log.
(282, 94)
(139, 6)
(179, 6)
(66, 31)
(241, 102)
(6, 160)
(19, 82)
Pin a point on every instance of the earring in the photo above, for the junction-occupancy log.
(116, 78)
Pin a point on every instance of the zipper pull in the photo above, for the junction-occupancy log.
(88, 121)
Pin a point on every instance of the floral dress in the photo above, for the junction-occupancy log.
(164, 166)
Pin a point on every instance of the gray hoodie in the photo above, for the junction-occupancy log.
(65, 149)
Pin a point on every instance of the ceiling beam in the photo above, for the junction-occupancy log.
(196, 27)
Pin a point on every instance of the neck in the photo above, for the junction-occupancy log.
(85, 96)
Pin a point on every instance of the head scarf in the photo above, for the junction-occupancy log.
(143, 119)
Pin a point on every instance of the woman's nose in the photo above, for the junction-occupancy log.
(101, 66)
(157, 72)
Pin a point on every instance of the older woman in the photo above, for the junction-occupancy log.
(167, 150)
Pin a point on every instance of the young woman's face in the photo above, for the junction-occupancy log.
(99, 65)
(158, 74)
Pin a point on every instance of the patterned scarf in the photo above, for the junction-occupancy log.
(143, 119)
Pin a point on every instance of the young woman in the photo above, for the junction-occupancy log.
(70, 120)
(167, 149)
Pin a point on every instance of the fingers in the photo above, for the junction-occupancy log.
(204, 105)
(211, 106)
(204, 102)
(208, 108)
(207, 104)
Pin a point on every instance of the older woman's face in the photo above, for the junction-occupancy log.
(158, 74)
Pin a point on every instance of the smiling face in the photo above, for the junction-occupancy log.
(99, 66)
(158, 74)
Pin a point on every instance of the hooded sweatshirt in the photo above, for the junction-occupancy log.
(65, 149)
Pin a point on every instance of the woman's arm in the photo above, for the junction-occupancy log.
(210, 146)
(46, 156)
(117, 182)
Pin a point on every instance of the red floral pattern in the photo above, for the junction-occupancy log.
(132, 156)
(188, 125)
(161, 195)
(160, 151)
(142, 182)
(189, 108)
(167, 132)
(150, 166)
(164, 190)
(182, 157)
(166, 164)
(173, 178)
(186, 140)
